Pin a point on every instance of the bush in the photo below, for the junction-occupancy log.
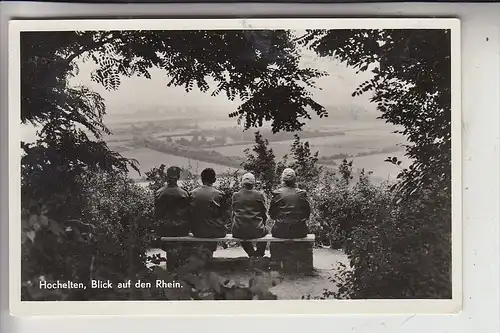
(404, 251)
(339, 204)
(107, 240)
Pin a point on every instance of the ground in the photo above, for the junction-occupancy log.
(232, 263)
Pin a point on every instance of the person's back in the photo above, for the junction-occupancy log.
(172, 207)
(289, 209)
(207, 209)
(249, 214)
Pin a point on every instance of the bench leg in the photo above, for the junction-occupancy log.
(292, 257)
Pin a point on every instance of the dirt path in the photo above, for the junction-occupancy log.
(289, 286)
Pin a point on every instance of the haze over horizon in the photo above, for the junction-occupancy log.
(141, 98)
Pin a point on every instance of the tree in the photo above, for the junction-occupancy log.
(70, 119)
(305, 163)
(406, 251)
(261, 163)
(237, 65)
(411, 86)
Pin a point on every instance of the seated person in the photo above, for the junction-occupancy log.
(207, 210)
(289, 208)
(172, 205)
(249, 216)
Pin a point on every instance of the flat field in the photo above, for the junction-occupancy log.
(352, 143)
(149, 159)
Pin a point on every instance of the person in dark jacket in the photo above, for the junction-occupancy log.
(172, 205)
(249, 216)
(207, 209)
(289, 208)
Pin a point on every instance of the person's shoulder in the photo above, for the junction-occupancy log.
(277, 192)
(196, 190)
(301, 192)
(260, 194)
(183, 191)
(159, 192)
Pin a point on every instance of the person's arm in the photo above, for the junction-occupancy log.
(273, 206)
(263, 210)
(232, 206)
(221, 206)
(158, 207)
(191, 215)
(306, 205)
(187, 208)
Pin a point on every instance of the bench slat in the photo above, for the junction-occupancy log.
(230, 238)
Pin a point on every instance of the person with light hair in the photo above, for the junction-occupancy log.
(289, 208)
(249, 216)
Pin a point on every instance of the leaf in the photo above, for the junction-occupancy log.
(44, 221)
(33, 220)
(55, 227)
(31, 235)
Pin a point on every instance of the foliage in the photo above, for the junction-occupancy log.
(397, 240)
(262, 164)
(157, 177)
(259, 76)
(404, 250)
(411, 86)
(196, 154)
(401, 255)
(305, 164)
(105, 239)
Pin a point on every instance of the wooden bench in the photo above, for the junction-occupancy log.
(289, 254)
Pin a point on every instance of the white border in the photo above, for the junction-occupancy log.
(229, 307)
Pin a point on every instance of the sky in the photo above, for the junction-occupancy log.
(332, 90)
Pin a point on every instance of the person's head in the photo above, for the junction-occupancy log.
(288, 177)
(208, 176)
(248, 180)
(173, 175)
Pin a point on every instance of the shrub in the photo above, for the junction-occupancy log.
(404, 252)
(107, 240)
(339, 204)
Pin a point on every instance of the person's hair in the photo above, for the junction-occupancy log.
(172, 181)
(288, 177)
(208, 176)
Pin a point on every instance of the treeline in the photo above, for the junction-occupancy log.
(332, 159)
(239, 137)
(200, 155)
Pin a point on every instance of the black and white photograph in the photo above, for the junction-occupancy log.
(307, 161)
